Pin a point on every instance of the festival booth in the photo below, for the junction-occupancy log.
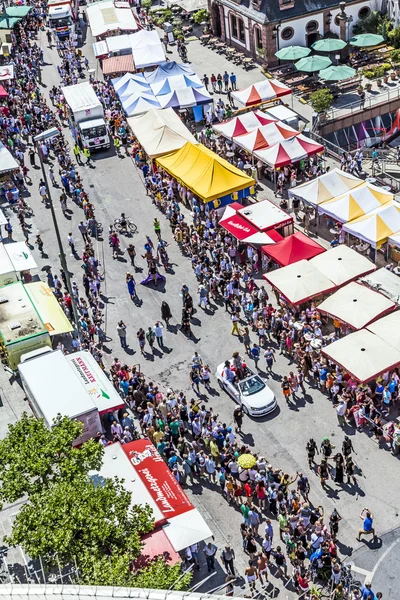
(262, 91)
(299, 282)
(139, 105)
(48, 308)
(385, 282)
(8, 164)
(325, 187)
(160, 132)
(148, 478)
(147, 49)
(292, 249)
(289, 151)
(211, 178)
(241, 229)
(110, 15)
(175, 82)
(268, 217)
(135, 82)
(264, 136)
(242, 124)
(388, 329)
(377, 226)
(394, 247)
(6, 72)
(362, 354)
(168, 69)
(16, 263)
(343, 264)
(356, 203)
(185, 98)
(118, 64)
(356, 305)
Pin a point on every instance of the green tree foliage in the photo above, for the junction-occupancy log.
(321, 100)
(33, 457)
(394, 37)
(166, 577)
(147, 4)
(375, 22)
(200, 16)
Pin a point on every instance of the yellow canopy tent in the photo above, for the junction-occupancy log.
(205, 173)
(49, 310)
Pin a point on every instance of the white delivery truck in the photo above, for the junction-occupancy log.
(61, 19)
(73, 385)
(87, 116)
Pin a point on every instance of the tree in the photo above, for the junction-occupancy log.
(161, 576)
(321, 100)
(200, 16)
(32, 457)
(71, 518)
(147, 4)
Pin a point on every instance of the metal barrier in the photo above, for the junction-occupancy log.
(369, 102)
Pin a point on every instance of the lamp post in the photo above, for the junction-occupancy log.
(49, 134)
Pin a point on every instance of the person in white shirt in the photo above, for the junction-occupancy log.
(158, 330)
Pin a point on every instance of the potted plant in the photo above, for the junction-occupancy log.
(321, 101)
(379, 82)
(368, 87)
(385, 78)
(393, 75)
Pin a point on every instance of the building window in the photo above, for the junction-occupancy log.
(287, 33)
(237, 28)
(312, 26)
(364, 12)
(258, 37)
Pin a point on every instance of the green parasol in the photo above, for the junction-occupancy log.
(292, 53)
(366, 39)
(311, 64)
(329, 45)
(337, 73)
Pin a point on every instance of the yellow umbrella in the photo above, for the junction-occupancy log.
(246, 461)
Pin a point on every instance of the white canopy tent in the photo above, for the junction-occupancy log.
(7, 161)
(342, 264)
(20, 256)
(385, 282)
(377, 226)
(118, 43)
(108, 15)
(160, 131)
(327, 186)
(355, 203)
(356, 305)
(363, 355)
(147, 49)
(388, 329)
(299, 282)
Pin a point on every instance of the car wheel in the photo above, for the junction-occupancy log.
(221, 385)
(245, 410)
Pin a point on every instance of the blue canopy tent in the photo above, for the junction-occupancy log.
(168, 69)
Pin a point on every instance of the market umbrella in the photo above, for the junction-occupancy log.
(292, 53)
(329, 45)
(366, 39)
(246, 461)
(313, 63)
(337, 73)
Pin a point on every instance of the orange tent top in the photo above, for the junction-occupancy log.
(292, 249)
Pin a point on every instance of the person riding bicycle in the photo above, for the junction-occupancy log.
(123, 221)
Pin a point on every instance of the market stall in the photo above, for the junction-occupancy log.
(362, 354)
(118, 64)
(147, 49)
(20, 259)
(185, 98)
(289, 151)
(243, 231)
(137, 81)
(356, 203)
(140, 104)
(207, 175)
(160, 132)
(48, 308)
(168, 69)
(388, 329)
(268, 217)
(265, 136)
(377, 226)
(293, 248)
(107, 15)
(243, 123)
(343, 264)
(262, 91)
(385, 282)
(356, 305)
(8, 164)
(175, 82)
(325, 187)
(299, 282)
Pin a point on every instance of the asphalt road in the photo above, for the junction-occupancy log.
(115, 186)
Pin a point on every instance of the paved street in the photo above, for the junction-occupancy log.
(115, 186)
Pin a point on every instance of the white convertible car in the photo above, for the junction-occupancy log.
(256, 398)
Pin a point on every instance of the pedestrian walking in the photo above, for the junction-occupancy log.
(86, 152)
(238, 418)
(255, 354)
(151, 338)
(9, 229)
(158, 330)
(77, 153)
(228, 556)
(141, 336)
(157, 228)
(71, 243)
(121, 330)
(206, 81)
(39, 244)
(194, 378)
(166, 314)
(83, 229)
(311, 451)
(209, 552)
(131, 285)
(235, 324)
(132, 254)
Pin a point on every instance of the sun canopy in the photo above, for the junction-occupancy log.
(356, 203)
(118, 64)
(117, 43)
(175, 82)
(133, 87)
(108, 15)
(375, 227)
(327, 186)
(310, 64)
(299, 282)
(100, 49)
(388, 329)
(20, 256)
(160, 132)
(328, 45)
(362, 354)
(292, 53)
(292, 249)
(385, 282)
(265, 215)
(265, 136)
(48, 308)
(121, 83)
(268, 89)
(337, 73)
(342, 264)
(364, 40)
(289, 151)
(7, 161)
(137, 105)
(356, 305)
(150, 55)
(208, 175)
(243, 124)
(19, 12)
(241, 229)
(185, 98)
(168, 69)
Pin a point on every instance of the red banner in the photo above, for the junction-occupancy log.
(158, 479)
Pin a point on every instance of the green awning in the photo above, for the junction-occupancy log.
(18, 11)
(8, 22)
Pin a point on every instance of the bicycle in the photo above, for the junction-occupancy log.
(348, 580)
(129, 226)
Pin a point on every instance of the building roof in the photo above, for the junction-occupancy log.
(270, 11)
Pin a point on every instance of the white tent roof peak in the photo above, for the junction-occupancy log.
(299, 282)
(342, 264)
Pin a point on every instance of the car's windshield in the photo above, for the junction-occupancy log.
(250, 386)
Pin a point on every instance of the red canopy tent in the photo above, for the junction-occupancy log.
(3, 92)
(292, 249)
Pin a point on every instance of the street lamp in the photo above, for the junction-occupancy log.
(49, 134)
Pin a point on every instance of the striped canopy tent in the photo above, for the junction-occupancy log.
(177, 82)
(121, 83)
(265, 136)
(327, 186)
(289, 151)
(268, 89)
(184, 98)
(243, 124)
(376, 227)
(356, 203)
(134, 87)
(137, 105)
